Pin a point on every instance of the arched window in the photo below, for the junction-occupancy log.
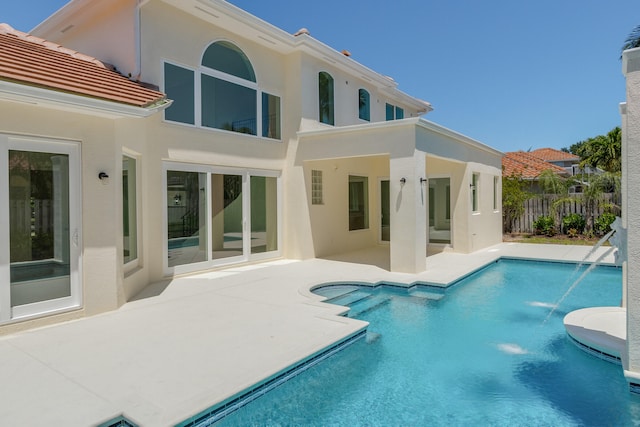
(325, 98)
(227, 103)
(230, 98)
(364, 111)
(228, 58)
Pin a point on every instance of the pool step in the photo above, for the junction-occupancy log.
(331, 292)
(349, 298)
(432, 294)
(366, 305)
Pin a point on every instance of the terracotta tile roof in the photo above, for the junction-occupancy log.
(527, 165)
(34, 61)
(553, 155)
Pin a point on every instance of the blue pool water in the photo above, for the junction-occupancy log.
(478, 353)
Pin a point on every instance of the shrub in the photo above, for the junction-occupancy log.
(544, 225)
(602, 224)
(574, 222)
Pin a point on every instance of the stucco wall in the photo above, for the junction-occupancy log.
(101, 231)
(330, 220)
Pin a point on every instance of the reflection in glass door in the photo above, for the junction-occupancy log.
(226, 216)
(264, 214)
(39, 226)
(186, 217)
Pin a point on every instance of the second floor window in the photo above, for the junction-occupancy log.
(230, 98)
(325, 98)
(364, 110)
(393, 112)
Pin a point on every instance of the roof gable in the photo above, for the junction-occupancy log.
(33, 61)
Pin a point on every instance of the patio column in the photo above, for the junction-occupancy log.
(408, 199)
(631, 212)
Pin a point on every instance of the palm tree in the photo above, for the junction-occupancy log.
(603, 151)
(633, 40)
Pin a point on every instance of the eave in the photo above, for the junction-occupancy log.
(32, 95)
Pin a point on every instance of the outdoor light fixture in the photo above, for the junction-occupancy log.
(403, 180)
(104, 177)
(177, 199)
(423, 180)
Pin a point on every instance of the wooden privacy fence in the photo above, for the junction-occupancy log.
(543, 205)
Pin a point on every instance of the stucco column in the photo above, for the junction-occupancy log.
(408, 199)
(631, 201)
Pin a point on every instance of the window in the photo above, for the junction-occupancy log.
(179, 86)
(230, 98)
(364, 109)
(316, 188)
(129, 210)
(228, 106)
(495, 193)
(358, 202)
(270, 116)
(393, 113)
(475, 180)
(389, 112)
(325, 98)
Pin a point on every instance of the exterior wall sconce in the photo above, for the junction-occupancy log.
(177, 199)
(423, 180)
(103, 177)
(403, 181)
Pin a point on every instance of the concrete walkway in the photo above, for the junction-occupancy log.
(183, 346)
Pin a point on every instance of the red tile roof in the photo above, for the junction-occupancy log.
(553, 155)
(30, 60)
(527, 165)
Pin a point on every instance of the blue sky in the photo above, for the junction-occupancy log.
(512, 74)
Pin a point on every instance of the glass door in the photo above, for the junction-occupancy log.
(42, 254)
(217, 216)
(440, 210)
(385, 211)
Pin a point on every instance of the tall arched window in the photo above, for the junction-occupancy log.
(325, 98)
(230, 98)
(364, 110)
(228, 89)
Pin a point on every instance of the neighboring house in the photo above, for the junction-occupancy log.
(274, 145)
(529, 166)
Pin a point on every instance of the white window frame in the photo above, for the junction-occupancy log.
(137, 262)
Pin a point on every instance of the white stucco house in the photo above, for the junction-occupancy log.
(249, 143)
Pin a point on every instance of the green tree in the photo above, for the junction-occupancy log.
(603, 151)
(514, 194)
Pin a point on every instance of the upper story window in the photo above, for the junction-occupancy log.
(230, 98)
(364, 109)
(393, 112)
(325, 98)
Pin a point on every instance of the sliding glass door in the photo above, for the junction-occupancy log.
(230, 216)
(40, 215)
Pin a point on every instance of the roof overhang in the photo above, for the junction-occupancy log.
(15, 92)
(394, 138)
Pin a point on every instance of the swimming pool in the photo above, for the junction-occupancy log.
(477, 353)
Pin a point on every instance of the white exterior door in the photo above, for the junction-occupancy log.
(40, 225)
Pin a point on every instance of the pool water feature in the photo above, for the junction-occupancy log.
(477, 353)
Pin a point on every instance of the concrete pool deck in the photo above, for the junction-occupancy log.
(185, 344)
